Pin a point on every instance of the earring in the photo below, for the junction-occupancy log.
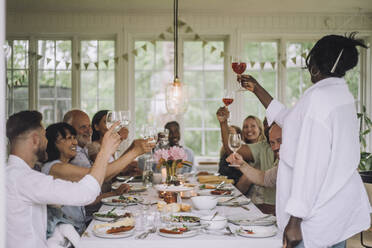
(312, 73)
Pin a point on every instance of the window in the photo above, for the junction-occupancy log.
(153, 71)
(261, 58)
(17, 76)
(54, 79)
(298, 78)
(97, 75)
(204, 74)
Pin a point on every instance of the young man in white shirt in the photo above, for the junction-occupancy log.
(321, 200)
(28, 192)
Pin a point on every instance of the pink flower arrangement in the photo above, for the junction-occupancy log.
(173, 154)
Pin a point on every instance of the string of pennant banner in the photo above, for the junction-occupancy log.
(162, 36)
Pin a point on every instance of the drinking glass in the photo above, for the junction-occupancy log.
(235, 142)
(228, 98)
(147, 174)
(238, 66)
(111, 118)
(124, 118)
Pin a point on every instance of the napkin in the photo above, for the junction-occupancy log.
(63, 236)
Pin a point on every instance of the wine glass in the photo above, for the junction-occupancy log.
(228, 98)
(124, 118)
(111, 118)
(235, 142)
(238, 66)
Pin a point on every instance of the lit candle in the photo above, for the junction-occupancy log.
(163, 175)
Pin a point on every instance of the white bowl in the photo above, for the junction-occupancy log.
(204, 202)
(218, 222)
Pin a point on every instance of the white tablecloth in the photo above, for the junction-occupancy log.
(203, 240)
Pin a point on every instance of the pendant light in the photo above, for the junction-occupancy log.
(176, 92)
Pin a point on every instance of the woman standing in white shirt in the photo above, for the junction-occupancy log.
(321, 200)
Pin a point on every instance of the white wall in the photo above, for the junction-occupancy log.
(2, 125)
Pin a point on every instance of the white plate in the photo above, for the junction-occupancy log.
(101, 233)
(118, 212)
(240, 220)
(171, 188)
(258, 231)
(168, 219)
(224, 201)
(188, 234)
(108, 201)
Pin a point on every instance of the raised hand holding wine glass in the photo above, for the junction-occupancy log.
(228, 99)
(112, 117)
(235, 142)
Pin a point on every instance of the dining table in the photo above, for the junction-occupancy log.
(148, 216)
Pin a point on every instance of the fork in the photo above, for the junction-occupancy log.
(145, 234)
(230, 233)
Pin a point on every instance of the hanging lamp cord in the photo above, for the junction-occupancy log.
(175, 22)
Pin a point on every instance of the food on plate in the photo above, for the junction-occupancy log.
(174, 230)
(203, 173)
(172, 207)
(221, 192)
(184, 218)
(191, 185)
(211, 179)
(119, 229)
(128, 221)
(126, 199)
(248, 231)
(207, 186)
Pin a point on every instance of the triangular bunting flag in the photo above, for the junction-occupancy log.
(262, 65)
(86, 66)
(153, 42)
(213, 49)
(67, 65)
(116, 59)
(294, 60)
(162, 36)
(144, 47)
(57, 63)
(304, 55)
(222, 54)
(135, 53)
(96, 64)
(38, 57)
(48, 60)
(125, 56)
(77, 65)
(188, 29)
(252, 63)
(197, 37)
(204, 43)
(181, 23)
(106, 62)
(284, 63)
(273, 64)
(170, 30)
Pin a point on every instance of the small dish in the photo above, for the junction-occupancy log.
(217, 223)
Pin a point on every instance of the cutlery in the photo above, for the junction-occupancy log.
(230, 233)
(215, 214)
(233, 198)
(145, 234)
(261, 218)
(128, 180)
(220, 185)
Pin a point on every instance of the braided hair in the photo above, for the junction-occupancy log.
(333, 55)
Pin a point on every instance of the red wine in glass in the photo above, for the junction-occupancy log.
(227, 101)
(238, 67)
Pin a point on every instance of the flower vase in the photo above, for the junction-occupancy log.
(171, 173)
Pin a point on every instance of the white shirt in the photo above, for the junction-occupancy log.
(318, 179)
(27, 194)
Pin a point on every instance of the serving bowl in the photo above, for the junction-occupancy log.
(217, 223)
(204, 202)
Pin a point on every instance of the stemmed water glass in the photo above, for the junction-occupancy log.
(112, 117)
(124, 118)
(235, 142)
(150, 133)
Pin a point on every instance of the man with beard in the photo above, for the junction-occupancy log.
(263, 178)
(28, 192)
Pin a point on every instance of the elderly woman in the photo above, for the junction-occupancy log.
(321, 199)
(61, 149)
